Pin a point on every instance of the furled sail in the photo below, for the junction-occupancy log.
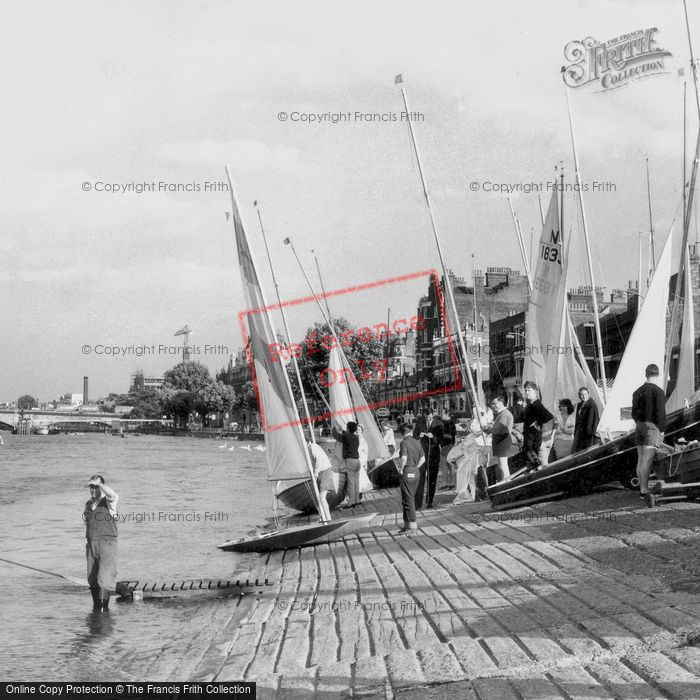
(685, 380)
(646, 345)
(284, 438)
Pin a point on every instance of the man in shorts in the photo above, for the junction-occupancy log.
(324, 476)
(649, 414)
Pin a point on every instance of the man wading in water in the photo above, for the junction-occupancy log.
(100, 518)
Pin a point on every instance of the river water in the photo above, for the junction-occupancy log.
(178, 498)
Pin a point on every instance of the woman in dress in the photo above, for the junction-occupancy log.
(564, 432)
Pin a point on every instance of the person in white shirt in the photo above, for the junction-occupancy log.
(564, 431)
(324, 476)
(464, 456)
(389, 439)
(100, 517)
(363, 451)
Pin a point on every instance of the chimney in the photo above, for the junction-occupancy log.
(85, 391)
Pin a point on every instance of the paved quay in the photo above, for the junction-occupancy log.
(591, 597)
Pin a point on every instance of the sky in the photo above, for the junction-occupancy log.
(100, 96)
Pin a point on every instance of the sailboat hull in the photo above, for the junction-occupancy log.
(584, 471)
(298, 497)
(302, 536)
(385, 476)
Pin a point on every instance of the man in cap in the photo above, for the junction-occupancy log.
(100, 516)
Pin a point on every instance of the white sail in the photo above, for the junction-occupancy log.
(646, 345)
(685, 380)
(349, 403)
(286, 449)
(551, 360)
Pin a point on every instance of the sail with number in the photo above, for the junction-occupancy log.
(551, 361)
(284, 439)
(646, 345)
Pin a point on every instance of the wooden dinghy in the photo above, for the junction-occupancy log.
(300, 536)
(584, 471)
(299, 496)
(386, 475)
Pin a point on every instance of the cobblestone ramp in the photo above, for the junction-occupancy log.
(592, 597)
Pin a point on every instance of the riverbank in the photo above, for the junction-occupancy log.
(595, 596)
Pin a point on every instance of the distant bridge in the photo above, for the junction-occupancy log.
(9, 418)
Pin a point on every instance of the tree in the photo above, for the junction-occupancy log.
(177, 403)
(147, 404)
(26, 402)
(213, 398)
(365, 353)
(187, 376)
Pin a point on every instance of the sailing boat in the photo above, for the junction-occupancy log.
(616, 459)
(346, 402)
(298, 495)
(286, 451)
(554, 368)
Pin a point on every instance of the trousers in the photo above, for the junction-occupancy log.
(409, 482)
(352, 488)
(102, 563)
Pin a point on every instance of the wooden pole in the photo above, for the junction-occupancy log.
(466, 370)
(589, 259)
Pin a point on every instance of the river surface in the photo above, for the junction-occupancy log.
(178, 498)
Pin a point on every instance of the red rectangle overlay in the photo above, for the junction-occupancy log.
(283, 352)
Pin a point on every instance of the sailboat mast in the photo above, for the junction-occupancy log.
(326, 316)
(652, 247)
(688, 210)
(639, 277)
(314, 486)
(288, 335)
(386, 353)
(448, 285)
(594, 297)
(521, 245)
(320, 281)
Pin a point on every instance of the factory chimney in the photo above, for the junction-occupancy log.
(85, 391)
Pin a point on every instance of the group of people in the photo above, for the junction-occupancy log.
(459, 447)
(426, 444)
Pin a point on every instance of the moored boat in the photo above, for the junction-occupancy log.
(584, 471)
(299, 496)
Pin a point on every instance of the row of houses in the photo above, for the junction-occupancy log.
(492, 316)
(491, 313)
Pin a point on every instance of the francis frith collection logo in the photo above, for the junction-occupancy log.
(614, 63)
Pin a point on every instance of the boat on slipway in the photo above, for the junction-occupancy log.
(287, 455)
(585, 471)
(616, 458)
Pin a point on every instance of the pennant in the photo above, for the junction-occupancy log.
(398, 79)
(286, 241)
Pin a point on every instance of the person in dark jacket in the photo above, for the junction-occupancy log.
(350, 441)
(649, 414)
(100, 516)
(412, 458)
(586, 421)
(435, 438)
(420, 428)
(448, 442)
(538, 424)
